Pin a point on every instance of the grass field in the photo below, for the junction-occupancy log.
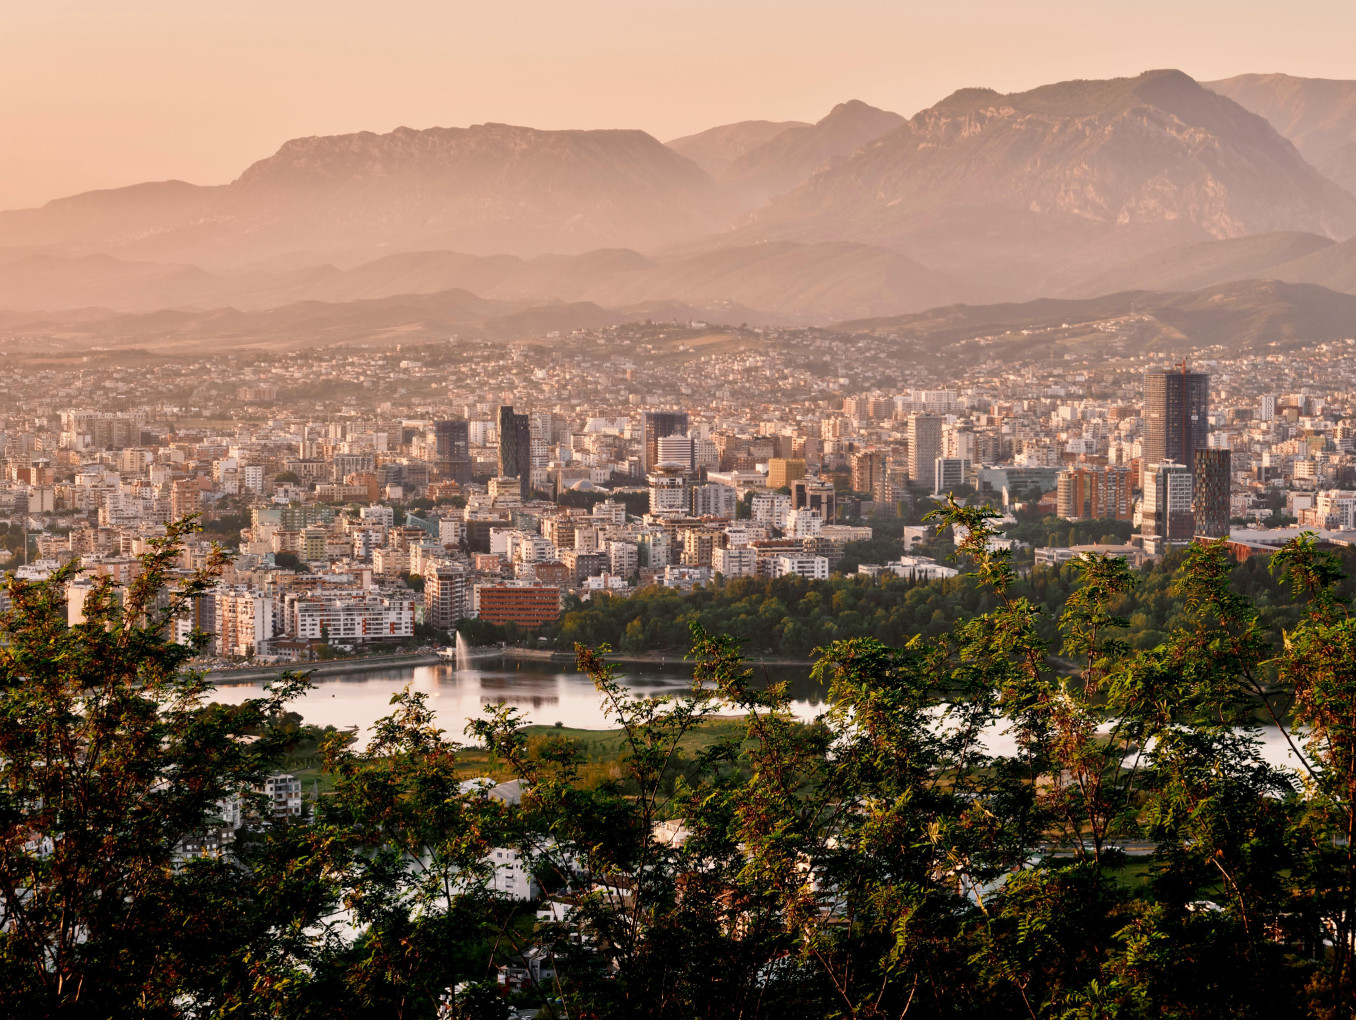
(601, 751)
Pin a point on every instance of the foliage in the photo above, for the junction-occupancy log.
(789, 617)
(1040, 808)
(109, 763)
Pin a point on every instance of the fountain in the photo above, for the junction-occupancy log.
(463, 660)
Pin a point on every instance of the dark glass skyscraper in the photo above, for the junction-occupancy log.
(1176, 408)
(1210, 493)
(453, 450)
(657, 424)
(515, 448)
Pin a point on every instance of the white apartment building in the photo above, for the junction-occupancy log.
(378, 513)
(511, 878)
(770, 509)
(284, 795)
(623, 558)
(804, 523)
(735, 561)
(349, 617)
(451, 530)
(668, 491)
(714, 500)
(812, 568)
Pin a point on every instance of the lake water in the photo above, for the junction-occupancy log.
(547, 693)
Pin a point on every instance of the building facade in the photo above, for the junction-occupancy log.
(925, 446)
(528, 606)
(1167, 517)
(1211, 491)
(445, 595)
(1176, 409)
(654, 425)
(1094, 494)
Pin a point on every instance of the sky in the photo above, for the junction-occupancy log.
(112, 92)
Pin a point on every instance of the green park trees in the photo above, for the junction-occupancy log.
(1026, 810)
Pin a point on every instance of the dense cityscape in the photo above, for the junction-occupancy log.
(610, 511)
(370, 492)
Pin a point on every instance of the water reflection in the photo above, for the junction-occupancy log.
(547, 693)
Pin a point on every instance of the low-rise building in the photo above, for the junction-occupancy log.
(527, 605)
(813, 568)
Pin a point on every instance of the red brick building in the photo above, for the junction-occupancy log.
(528, 606)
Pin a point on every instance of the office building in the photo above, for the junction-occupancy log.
(925, 446)
(452, 446)
(515, 448)
(528, 606)
(1176, 406)
(949, 473)
(815, 494)
(1167, 517)
(1211, 492)
(783, 471)
(675, 451)
(654, 426)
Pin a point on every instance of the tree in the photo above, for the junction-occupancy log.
(110, 763)
(949, 835)
(415, 850)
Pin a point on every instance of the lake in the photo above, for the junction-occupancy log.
(548, 693)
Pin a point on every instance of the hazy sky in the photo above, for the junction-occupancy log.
(110, 92)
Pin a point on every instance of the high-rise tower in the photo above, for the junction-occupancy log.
(453, 450)
(1176, 409)
(655, 425)
(515, 448)
(925, 446)
(1210, 493)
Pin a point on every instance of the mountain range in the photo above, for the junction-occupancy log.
(1317, 114)
(1154, 184)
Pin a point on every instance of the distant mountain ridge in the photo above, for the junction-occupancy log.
(1317, 114)
(715, 149)
(1207, 264)
(1073, 189)
(1237, 316)
(485, 189)
(1240, 316)
(1027, 188)
(783, 282)
(791, 157)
